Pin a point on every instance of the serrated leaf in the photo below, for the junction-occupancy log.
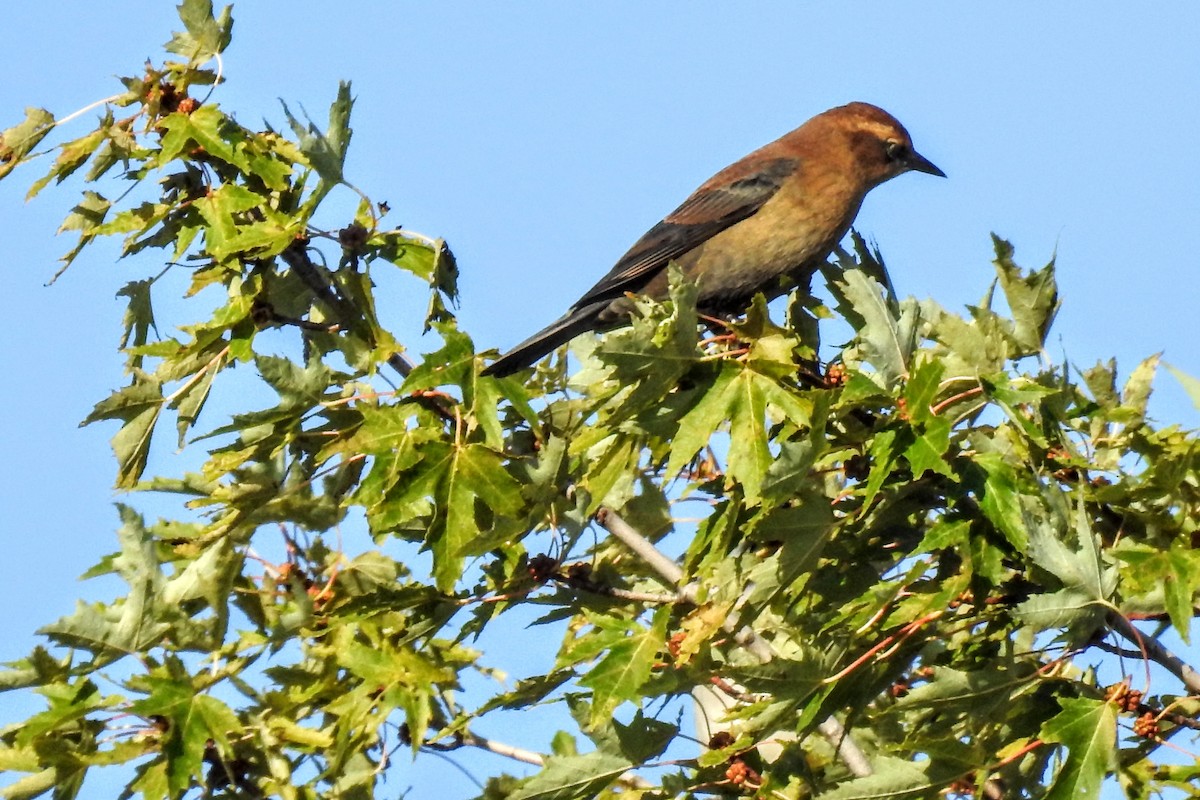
(204, 35)
(1179, 587)
(1088, 729)
(921, 388)
(138, 407)
(19, 140)
(698, 424)
(86, 217)
(893, 778)
(885, 448)
(886, 345)
(71, 156)
(1136, 393)
(325, 151)
(749, 456)
(928, 449)
(572, 777)
(206, 127)
(1066, 609)
(204, 578)
(139, 315)
(625, 667)
(1072, 556)
(1001, 498)
(1032, 299)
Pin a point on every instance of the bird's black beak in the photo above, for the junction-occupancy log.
(920, 163)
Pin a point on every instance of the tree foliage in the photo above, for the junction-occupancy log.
(902, 557)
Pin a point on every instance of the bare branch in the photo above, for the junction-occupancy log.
(659, 562)
(847, 749)
(502, 749)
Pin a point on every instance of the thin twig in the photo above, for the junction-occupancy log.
(75, 114)
(537, 759)
(506, 750)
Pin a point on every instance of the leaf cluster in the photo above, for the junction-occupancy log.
(929, 534)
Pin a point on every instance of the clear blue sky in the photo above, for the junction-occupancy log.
(540, 139)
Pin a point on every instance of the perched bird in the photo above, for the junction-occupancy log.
(759, 225)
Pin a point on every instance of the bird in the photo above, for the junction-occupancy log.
(759, 225)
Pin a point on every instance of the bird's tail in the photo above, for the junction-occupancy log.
(558, 332)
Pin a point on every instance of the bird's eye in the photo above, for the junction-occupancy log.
(895, 150)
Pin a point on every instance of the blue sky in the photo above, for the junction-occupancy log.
(541, 139)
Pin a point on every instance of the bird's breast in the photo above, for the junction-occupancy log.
(789, 236)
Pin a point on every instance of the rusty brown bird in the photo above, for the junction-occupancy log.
(759, 225)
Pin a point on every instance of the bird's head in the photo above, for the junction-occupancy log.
(881, 146)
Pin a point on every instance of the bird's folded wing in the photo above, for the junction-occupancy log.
(729, 197)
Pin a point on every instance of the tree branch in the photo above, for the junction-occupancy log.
(296, 256)
(640, 545)
(1154, 650)
(502, 749)
(575, 581)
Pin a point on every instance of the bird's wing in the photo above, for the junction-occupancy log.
(728, 197)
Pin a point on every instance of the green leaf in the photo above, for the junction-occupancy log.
(297, 386)
(1074, 557)
(886, 343)
(222, 209)
(1088, 728)
(922, 387)
(86, 217)
(1190, 384)
(1032, 298)
(71, 156)
(1001, 498)
(139, 316)
(209, 577)
(885, 448)
(31, 785)
(326, 152)
(204, 35)
(206, 127)
(972, 692)
(456, 477)
(1136, 393)
(194, 720)
(740, 395)
(138, 406)
(625, 668)
(1174, 572)
(572, 777)
(749, 456)
(699, 423)
(893, 778)
(19, 140)
(1069, 609)
(928, 449)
